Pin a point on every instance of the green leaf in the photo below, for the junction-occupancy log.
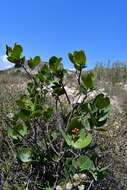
(45, 69)
(70, 56)
(78, 58)
(14, 54)
(101, 101)
(8, 50)
(36, 113)
(83, 141)
(57, 67)
(25, 155)
(34, 62)
(88, 81)
(18, 132)
(17, 50)
(45, 74)
(68, 167)
(23, 114)
(103, 114)
(101, 123)
(22, 60)
(85, 123)
(40, 76)
(54, 63)
(31, 88)
(25, 103)
(103, 117)
(67, 137)
(57, 89)
(74, 123)
(84, 163)
(47, 113)
(82, 88)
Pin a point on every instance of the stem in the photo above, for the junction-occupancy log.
(53, 148)
(71, 114)
(66, 93)
(36, 180)
(56, 105)
(91, 183)
(13, 128)
(29, 75)
(79, 76)
(85, 97)
(51, 144)
(57, 171)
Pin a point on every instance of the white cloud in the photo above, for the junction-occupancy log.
(4, 63)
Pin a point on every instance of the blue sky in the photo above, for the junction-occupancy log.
(56, 27)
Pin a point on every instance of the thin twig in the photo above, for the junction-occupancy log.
(36, 180)
(79, 76)
(57, 171)
(29, 75)
(29, 175)
(66, 93)
(91, 183)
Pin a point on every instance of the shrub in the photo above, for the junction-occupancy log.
(57, 142)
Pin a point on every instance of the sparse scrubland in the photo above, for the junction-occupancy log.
(58, 129)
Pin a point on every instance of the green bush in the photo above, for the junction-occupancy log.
(58, 143)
